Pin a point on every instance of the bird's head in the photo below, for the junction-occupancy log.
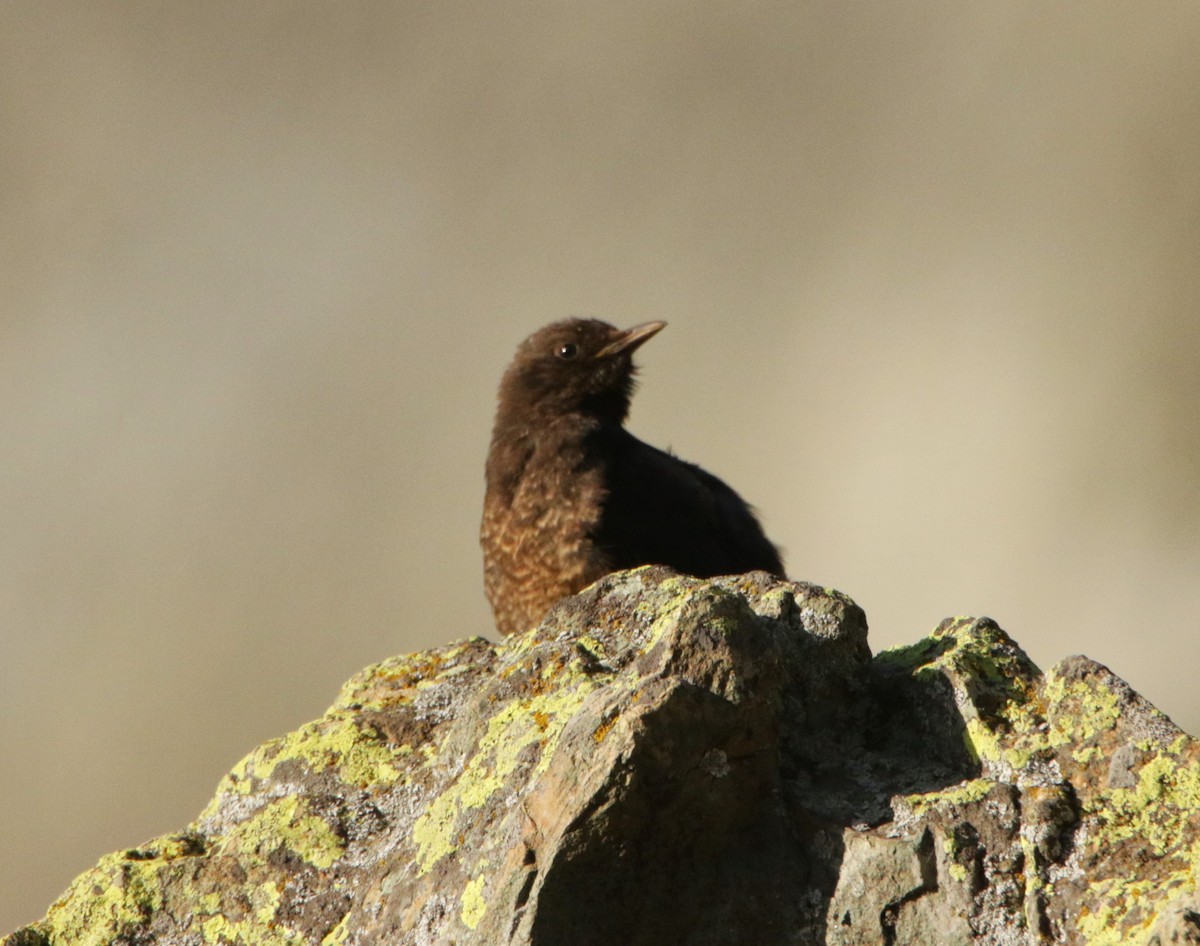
(579, 366)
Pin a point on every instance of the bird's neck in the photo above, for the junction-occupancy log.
(528, 428)
(548, 442)
(550, 418)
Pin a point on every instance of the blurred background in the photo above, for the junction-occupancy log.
(931, 272)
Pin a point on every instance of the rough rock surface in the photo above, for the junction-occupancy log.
(674, 761)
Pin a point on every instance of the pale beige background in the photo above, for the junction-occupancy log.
(931, 274)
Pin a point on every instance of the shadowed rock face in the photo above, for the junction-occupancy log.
(674, 761)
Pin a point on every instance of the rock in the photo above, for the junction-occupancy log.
(674, 761)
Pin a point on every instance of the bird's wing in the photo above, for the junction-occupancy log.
(663, 510)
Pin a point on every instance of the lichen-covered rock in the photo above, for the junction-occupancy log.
(674, 761)
(1082, 825)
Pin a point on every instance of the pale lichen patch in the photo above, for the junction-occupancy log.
(118, 894)
(963, 793)
(537, 720)
(1095, 710)
(337, 743)
(473, 904)
(285, 822)
(220, 930)
(338, 935)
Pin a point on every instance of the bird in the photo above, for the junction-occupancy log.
(571, 495)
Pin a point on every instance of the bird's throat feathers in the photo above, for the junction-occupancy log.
(531, 401)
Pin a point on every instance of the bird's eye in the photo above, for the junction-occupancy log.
(566, 351)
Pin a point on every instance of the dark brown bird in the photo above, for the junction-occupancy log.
(571, 495)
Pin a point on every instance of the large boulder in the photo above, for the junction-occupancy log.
(666, 761)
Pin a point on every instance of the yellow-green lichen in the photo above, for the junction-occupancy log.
(909, 656)
(209, 902)
(592, 646)
(285, 822)
(963, 793)
(387, 682)
(994, 684)
(337, 935)
(509, 732)
(956, 869)
(986, 745)
(258, 928)
(358, 756)
(1087, 755)
(778, 600)
(1162, 812)
(1125, 910)
(1089, 709)
(369, 762)
(219, 927)
(265, 900)
(115, 896)
(666, 613)
(473, 904)
(236, 782)
(973, 654)
(220, 930)
(537, 720)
